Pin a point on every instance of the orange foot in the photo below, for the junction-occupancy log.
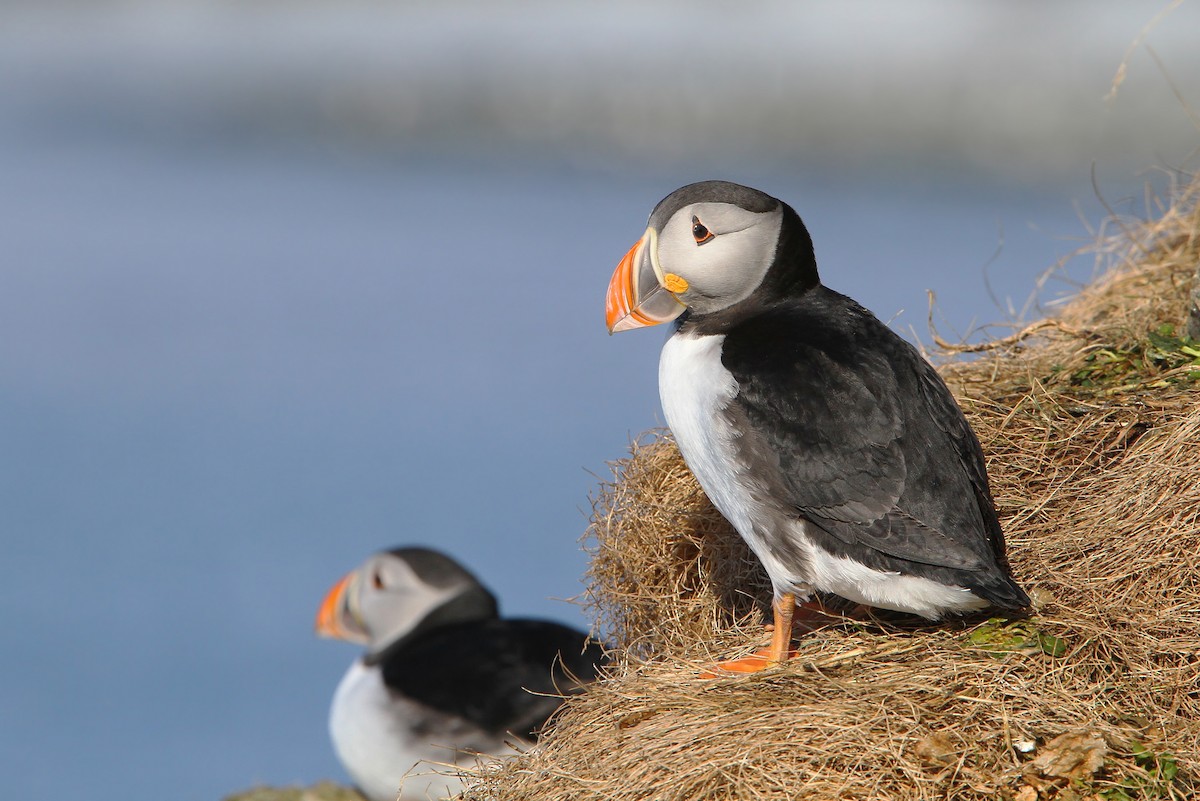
(778, 652)
(759, 660)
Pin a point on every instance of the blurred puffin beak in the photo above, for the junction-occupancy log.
(636, 296)
(335, 618)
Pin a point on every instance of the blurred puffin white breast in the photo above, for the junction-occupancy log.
(365, 726)
(385, 740)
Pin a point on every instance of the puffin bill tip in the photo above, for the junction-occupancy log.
(328, 622)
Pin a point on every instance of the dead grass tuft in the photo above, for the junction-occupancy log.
(1091, 424)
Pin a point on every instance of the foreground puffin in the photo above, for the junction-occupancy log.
(444, 679)
(829, 443)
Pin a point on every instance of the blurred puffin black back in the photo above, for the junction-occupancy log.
(501, 675)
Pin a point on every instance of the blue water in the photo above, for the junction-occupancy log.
(229, 374)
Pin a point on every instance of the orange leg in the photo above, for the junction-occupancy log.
(784, 608)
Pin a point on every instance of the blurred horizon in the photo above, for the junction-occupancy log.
(860, 84)
(289, 283)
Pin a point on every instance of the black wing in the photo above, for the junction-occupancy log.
(502, 675)
(861, 437)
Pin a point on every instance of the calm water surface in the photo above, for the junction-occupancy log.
(228, 374)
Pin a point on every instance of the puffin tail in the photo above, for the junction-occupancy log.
(1002, 592)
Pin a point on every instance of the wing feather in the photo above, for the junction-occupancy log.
(859, 436)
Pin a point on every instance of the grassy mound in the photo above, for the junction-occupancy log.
(1091, 425)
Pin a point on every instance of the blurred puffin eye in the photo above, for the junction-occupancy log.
(377, 580)
(699, 232)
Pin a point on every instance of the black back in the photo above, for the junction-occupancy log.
(501, 675)
(856, 433)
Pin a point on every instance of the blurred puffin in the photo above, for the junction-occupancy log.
(829, 443)
(444, 680)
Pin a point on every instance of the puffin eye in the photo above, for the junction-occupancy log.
(377, 580)
(699, 232)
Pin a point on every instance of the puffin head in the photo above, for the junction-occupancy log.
(395, 595)
(709, 246)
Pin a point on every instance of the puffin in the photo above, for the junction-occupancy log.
(829, 443)
(444, 680)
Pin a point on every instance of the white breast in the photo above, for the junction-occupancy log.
(695, 388)
(391, 746)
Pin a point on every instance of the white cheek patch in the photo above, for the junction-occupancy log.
(731, 265)
(394, 612)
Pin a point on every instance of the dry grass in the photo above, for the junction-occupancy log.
(1091, 423)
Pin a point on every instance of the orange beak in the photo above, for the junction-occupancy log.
(636, 298)
(329, 616)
